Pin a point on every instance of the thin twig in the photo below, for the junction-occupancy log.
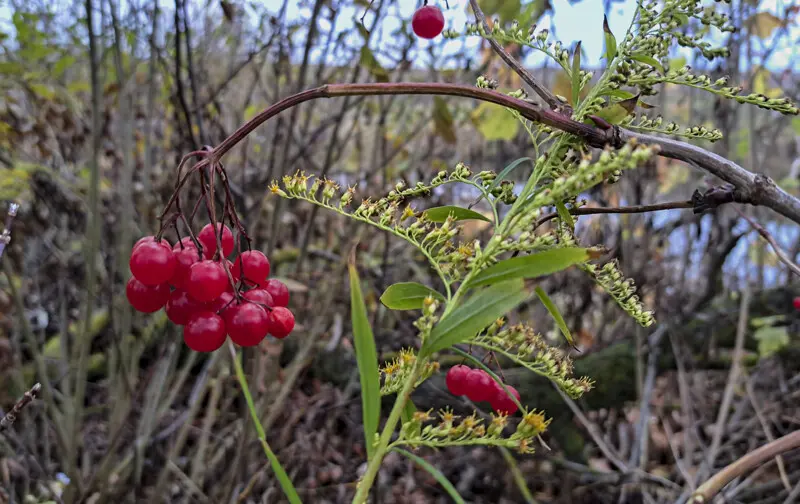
(782, 255)
(5, 236)
(8, 420)
(748, 386)
(671, 205)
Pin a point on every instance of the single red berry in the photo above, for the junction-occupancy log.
(144, 239)
(259, 296)
(278, 291)
(479, 385)
(255, 265)
(221, 304)
(500, 401)
(153, 263)
(428, 22)
(796, 303)
(281, 322)
(185, 242)
(204, 332)
(456, 379)
(146, 298)
(184, 258)
(208, 239)
(181, 307)
(247, 324)
(206, 281)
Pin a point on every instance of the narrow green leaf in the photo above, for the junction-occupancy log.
(449, 488)
(551, 307)
(648, 60)
(475, 314)
(564, 215)
(576, 75)
(408, 411)
(611, 42)
(519, 478)
(506, 171)
(616, 112)
(407, 296)
(367, 358)
(530, 266)
(618, 93)
(440, 214)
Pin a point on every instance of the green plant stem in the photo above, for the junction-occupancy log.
(280, 473)
(374, 465)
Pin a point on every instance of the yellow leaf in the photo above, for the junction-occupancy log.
(495, 122)
(763, 24)
(761, 83)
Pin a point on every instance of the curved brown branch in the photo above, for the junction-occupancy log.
(751, 188)
(671, 205)
(755, 458)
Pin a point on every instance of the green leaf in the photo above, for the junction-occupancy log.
(576, 74)
(616, 112)
(648, 60)
(62, 64)
(448, 487)
(611, 42)
(506, 171)
(369, 61)
(367, 358)
(771, 340)
(763, 24)
(564, 215)
(619, 93)
(551, 307)
(474, 315)
(519, 478)
(530, 266)
(443, 120)
(408, 411)
(407, 296)
(440, 214)
(494, 122)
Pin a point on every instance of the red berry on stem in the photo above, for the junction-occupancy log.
(206, 281)
(181, 307)
(247, 324)
(185, 242)
(259, 296)
(221, 304)
(456, 379)
(204, 332)
(281, 322)
(146, 298)
(183, 261)
(278, 291)
(255, 265)
(796, 303)
(500, 401)
(207, 237)
(144, 239)
(428, 22)
(153, 263)
(479, 385)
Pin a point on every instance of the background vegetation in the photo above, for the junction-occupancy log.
(128, 413)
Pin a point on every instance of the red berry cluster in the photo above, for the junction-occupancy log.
(796, 303)
(478, 386)
(205, 296)
(428, 21)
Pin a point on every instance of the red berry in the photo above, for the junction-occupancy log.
(206, 281)
(278, 291)
(479, 385)
(208, 239)
(247, 324)
(456, 379)
(153, 263)
(144, 239)
(259, 296)
(184, 258)
(281, 322)
(204, 332)
(221, 304)
(185, 242)
(181, 307)
(796, 303)
(146, 298)
(428, 22)
(255, 265)
(500, 401)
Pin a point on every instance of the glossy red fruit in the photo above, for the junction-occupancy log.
(204, 332)
(144, 239)
(186, 241)
(184, 258)
(500, 401)
(153, 263)
(223, 302)
(259, 296)
(255, 266)
(206, 281)
(796, 303)
(428, 22)
(479, 385)
(456, 379)
(208, 239)
(180, 307)
(247, 324)
(146, 298)
(281, 322)
(278, 291)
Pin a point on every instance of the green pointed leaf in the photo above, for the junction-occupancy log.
(408, 411)
(438, 476)
(506, 171)
(530, 266)
(367, 358)
(616, 112)
(440, 214)
(619, 93)
(576, 75)
(611, 42)
(648, 60)
(443, 120)
(474, 315)
(407, 296)
(564, 215)
(551, 307)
